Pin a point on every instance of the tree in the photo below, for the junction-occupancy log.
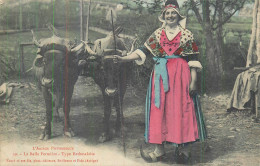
(139, 6)
(153, 6)
(253, 55)
(212, 15)
(21, 16)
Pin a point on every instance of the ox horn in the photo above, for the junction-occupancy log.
(34, 40)
(53, 29)
(89, 50)
(78, 47)
(132, 47)
(118, 30)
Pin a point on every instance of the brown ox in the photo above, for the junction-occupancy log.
(110, 77)
(56, 67)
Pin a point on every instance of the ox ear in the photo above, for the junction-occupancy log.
(38, 62)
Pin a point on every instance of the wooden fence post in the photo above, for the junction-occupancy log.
(21, 49)
(87, 24)
(81, 19)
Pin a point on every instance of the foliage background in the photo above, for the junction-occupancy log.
(134, 18)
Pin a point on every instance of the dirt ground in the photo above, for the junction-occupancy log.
(234, 138)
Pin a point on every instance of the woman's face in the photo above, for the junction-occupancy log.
(171, 16)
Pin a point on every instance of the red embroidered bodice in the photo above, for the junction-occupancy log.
(170, 46)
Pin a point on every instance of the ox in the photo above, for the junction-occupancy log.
(110, 77)
(56, 69)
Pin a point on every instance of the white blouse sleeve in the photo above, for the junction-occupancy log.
(142, 56)
(195, 64)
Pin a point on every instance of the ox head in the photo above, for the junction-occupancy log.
(55, 55)
(106, 48)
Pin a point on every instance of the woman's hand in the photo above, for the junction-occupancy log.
(125, 57)
(117, 59)
(193, 88)
(193, 83)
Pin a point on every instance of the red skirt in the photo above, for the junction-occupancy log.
(175, 120)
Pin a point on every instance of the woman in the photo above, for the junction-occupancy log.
(172, 108)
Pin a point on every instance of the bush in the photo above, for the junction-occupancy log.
(8, 66)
